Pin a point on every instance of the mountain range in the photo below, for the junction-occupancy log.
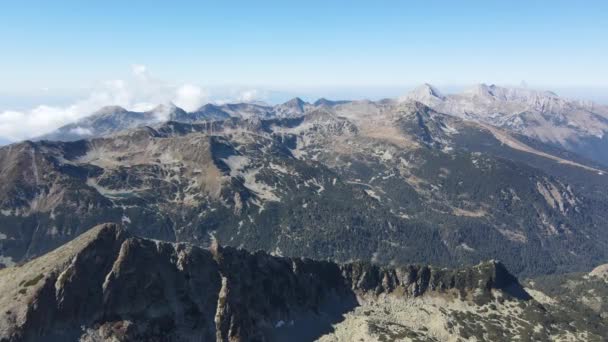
(577, 126)
(242, 191)
(391, 181)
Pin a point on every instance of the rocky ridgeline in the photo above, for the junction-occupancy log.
(107, 284)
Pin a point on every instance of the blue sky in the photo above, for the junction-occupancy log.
(62, 58)
(73, 44)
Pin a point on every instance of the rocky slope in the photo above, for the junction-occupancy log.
(579, 297)
(382, 181)
(107, 285)
(577, 126)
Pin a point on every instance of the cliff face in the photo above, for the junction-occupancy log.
(108, 285)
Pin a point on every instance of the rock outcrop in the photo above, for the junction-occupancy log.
(109, 285)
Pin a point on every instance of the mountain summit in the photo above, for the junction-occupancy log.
(293, 107)
(424, 93)
(576, 126)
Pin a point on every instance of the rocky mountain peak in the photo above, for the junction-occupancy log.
(428, 89)
(296, 102)
(323, 102)
(164, 107)
(505, 94)
(480, 89)
(424, 93)
(207, 106)
(293, 107)
(168, 111)
(209, 111)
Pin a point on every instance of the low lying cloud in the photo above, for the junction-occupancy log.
(81, 131)
(139, 93)
(250, 95)
(139, 70)
(244, 95)
(190, 97)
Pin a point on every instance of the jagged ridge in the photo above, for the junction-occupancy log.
(119, 286)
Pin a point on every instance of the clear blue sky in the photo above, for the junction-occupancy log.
(70, 45)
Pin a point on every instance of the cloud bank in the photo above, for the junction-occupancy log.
(141, 92)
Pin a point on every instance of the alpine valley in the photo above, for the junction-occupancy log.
(334, 207)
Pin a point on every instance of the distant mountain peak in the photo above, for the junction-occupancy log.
(167, 111)
(480, 89)
(430, 90)
(164, 107)
(322, 101)
(293, 107)
(509, 93)
(425, 93)
(328, 103)
(207, 106)
(295, 102)
(110, 110)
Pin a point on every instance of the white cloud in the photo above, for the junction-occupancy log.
(139, 70)
(81, 131)
(139, 93)
(190, 97)
(143, 106)
(249, 95)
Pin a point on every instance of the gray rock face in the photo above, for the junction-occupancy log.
(577, 126)
(107, 285)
